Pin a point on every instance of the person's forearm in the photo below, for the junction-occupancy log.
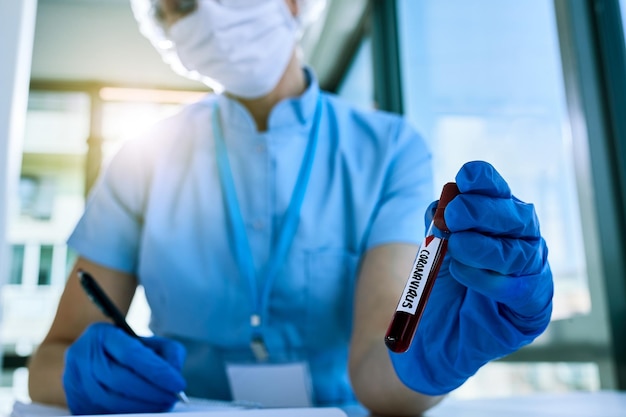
(378, 388)
(45, 370)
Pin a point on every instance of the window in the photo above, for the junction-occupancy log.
(62, 148)
(45, 265)
(57, 122)
(51, 188)
(52, 174)
(479, 83)
(17, 262)
(51, 198)
(623, 7)
(126, 112)
(482, 86)
(357, 86)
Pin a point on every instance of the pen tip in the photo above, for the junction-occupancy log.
(183, 397)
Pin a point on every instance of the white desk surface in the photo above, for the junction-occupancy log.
(579, 404)
(571, 404)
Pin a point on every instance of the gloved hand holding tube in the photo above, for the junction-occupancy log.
(493, 293)
(108, 371)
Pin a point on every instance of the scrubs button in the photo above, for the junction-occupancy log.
(261, 148)
(257, 225)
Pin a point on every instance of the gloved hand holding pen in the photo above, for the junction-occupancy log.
(494, 290)
(108, 371)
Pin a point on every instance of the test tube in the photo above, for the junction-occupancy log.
(422, 278)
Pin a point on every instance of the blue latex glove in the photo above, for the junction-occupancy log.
(108, 371)
(494, 290)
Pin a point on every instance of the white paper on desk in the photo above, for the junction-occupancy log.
(210, 410)
(271, 384)
(21, 409)
(256, 412)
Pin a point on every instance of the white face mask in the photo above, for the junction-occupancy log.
(242, 45)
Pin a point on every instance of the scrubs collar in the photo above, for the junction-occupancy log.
(289, 113)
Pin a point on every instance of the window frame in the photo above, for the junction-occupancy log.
(593, 55)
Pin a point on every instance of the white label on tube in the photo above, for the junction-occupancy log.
(416, 283)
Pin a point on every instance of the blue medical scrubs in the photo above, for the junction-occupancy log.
(158, 212)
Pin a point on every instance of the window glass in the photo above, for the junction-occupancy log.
(125, 120)
(623, 7)
(70, 259)
(16, 259)
(57, 122)
(51, 190)
(480, 84)
(500, 379)
(127, 112)
(45, 265)
(357, 86)
(50, 199)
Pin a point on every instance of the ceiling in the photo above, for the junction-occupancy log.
(98, 41)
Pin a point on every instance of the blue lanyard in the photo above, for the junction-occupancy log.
(288, 227)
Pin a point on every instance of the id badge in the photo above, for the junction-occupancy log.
(271, 384)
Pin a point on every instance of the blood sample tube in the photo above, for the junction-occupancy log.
(422, 278)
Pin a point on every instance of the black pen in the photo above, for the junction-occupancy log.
(100, 299)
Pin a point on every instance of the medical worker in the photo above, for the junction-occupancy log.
(273, 224)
